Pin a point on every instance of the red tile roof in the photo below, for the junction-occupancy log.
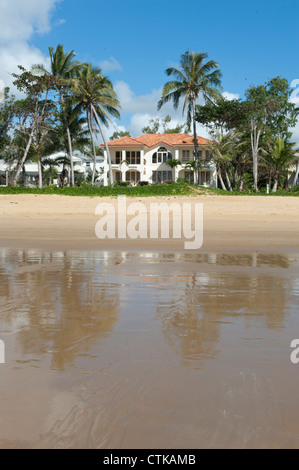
(150, 140)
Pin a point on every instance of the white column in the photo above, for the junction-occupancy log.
(106, 168)
(177, 168)
(142, 176)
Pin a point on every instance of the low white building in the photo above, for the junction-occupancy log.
(144, 158)
(83, 165)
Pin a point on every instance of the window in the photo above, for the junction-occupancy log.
(162, 155)
(117, 176)
(185, 156)
(133, 157)
(117, 157)
(204, 177)
(88, 164)
(189, 177)
(160, 176)
(132, 176)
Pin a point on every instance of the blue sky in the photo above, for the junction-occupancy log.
(134, 41)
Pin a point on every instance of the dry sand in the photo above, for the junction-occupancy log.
(231, 223)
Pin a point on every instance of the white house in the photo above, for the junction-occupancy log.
(83, 165)
(144, 159)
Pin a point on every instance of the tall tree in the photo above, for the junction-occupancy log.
(279, 157)
(222, 114)
(162, 125)
(195, 78)
(270, 112)
(94, 94)
(35, 109)
(119, 134)
(63, 67)
(221, 150)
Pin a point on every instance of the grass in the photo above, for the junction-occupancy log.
(262, 192)
(140, 191)
(106, 191)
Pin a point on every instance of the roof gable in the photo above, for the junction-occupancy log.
(152, 140)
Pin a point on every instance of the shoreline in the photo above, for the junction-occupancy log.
(230, 224)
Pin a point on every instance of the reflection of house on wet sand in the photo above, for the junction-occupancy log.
(119, 349)
(193, 317)
(61, 308)
(68, 301)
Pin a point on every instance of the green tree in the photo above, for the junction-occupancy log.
(119, 134)
(193, 79)
(270, 114)
(194, 166)
(222, 153)
(63, 67)
(35, 110)
(6, 121)
(94, 94)
(279, 157)
(222, 114)
(161, 125)
(173, 163)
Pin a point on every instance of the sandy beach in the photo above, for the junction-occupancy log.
(124, 344)
(231, 223)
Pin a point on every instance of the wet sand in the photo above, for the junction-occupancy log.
(126, 350)
(231, 223)
(125, 344)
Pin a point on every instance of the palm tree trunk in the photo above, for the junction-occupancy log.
(70, 152)
(228, 181)
(72, 178)
(221, 180)
(255, 136)
(241, 181)
(40, 176)
(88, 115)
(274, 189)
(23, 159)
(95, 114)
(236, 177)
(195, 141)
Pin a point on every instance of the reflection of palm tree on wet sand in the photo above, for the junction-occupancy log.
(193, 318)
(63, 309)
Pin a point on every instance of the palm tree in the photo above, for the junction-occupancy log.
(193, 79)
(50, 163)
(173, 163)
(221, 152)
(63, 66)
(279, 157)
(194, 166)
(94, 93)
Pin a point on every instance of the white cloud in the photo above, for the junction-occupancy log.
(295, 136)
(132, 103)
(60, 21)
(19, 20)
(110, 65)
(295, 94)
(141, 109)
(230, 96)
